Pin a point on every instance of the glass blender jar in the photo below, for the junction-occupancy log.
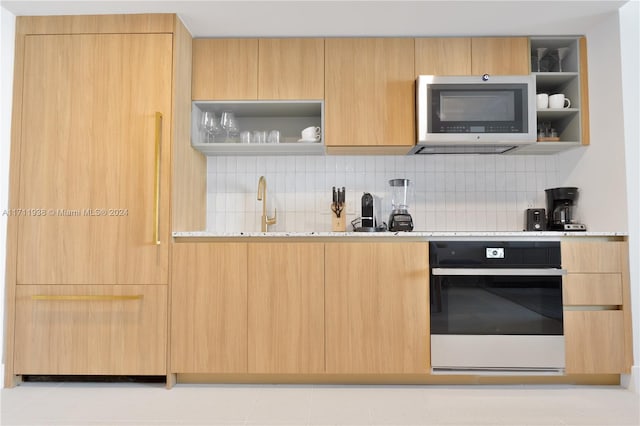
(401, 192)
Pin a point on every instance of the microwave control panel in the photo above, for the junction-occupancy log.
(458, 128)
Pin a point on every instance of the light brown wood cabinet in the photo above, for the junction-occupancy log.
(443, 56)
(291, 68)
(98, 102)
(369, 95)
(472, 56)
(594, 342)
(377, 308)
(247, 308)
(597, 318)
(88, 164)
(209, 308)
(258, 69)
(500, 56)
(286, 308)
(225, 69)
(99, 330)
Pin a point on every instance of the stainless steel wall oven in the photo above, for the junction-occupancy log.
(496, 306)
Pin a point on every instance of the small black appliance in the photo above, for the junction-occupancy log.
(535, 220)
(368, 209)
(561, 204)
(368, 221)
(400, 219)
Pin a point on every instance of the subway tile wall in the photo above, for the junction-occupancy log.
(451, 193)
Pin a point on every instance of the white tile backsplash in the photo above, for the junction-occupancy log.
(452, 193)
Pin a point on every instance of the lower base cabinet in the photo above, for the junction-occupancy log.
(343, 308)
(597, 323)
(286, 308)
(209, 308)
(247, 308)
(91, 330)
(594, 342)
(377, 316)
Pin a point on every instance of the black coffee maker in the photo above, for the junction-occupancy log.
(561, 204)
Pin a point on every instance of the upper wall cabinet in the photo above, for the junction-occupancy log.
(443, 56)
(258, 69)
(472, 56)
(291, 68)
(500, 55)
(369, 95)
(225, 69)
(559, 65)
(269, 84)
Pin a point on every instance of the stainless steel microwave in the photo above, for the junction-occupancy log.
(474, 114)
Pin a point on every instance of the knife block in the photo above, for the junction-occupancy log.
(339, 224)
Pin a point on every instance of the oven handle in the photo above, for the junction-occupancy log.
(521, 272)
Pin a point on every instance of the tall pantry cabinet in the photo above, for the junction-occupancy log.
(96, 120)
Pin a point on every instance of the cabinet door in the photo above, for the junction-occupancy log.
(377, 316)
(225, 69)
(101, 330)
(286, 308)
(291, 68)
(88, 159)
(369, 93)
(594, 342)
(500, 55)
(443, 56)
(209, 308)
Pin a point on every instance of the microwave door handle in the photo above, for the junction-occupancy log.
(522, 272)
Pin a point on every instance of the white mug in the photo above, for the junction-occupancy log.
(542, 101)
(559, 101)
(311, 133)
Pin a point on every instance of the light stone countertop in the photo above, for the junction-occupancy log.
(416, 235)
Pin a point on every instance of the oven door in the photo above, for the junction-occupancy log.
(497, 319)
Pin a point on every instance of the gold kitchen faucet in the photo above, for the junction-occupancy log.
(262, 196)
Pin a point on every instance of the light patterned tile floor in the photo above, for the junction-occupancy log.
(152, 404)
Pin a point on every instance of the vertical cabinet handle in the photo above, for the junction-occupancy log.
(156, 212)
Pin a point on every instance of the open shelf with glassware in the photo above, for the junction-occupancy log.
(558, 69)
(256, 127)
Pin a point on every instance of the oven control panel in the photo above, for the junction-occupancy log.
(495, 253)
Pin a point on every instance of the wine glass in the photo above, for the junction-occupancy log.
(230, 125)
(541, 51)
(562, 53)
(209, 124)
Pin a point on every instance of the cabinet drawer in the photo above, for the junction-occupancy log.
(592, 289)
(594, 342)
(593, 257)
(96, 330)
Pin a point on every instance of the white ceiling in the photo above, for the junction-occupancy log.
(244, 18)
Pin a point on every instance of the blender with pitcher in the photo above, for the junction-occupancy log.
(400, 191)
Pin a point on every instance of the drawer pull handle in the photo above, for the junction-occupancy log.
(86, 297)
(156, 189)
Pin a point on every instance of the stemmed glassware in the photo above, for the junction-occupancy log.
(209, 124)
(229, 124)
(541, 51)
(562, 53)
